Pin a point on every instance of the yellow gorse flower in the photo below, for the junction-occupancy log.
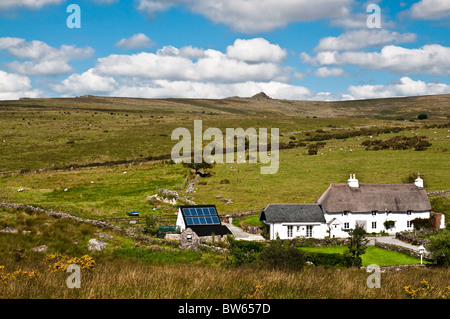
(427, 290)
(61, 262)
(17, 275)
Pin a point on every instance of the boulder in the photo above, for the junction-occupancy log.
(40, 248)
(9, 230)
(97, 244)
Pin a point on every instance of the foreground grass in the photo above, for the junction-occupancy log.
(124, 279)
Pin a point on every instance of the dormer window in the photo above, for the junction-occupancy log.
(374, 212)
(408, 212)
(346, 213)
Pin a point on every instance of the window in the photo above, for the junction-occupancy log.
(309, 231)
(374, 225)
(346, 213)
(346, 225)
(408, 212)
(289, 231)
(298, 228)
(374, 212)
(409, 224)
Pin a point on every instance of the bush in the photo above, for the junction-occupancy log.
(322, 259)
(418, 143)
(422, 116)
(439, 247)
(244, 252)
(151, 225)
(278, 256)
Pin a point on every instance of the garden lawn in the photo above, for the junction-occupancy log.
(373, 255)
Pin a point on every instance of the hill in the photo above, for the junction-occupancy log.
(436, 106)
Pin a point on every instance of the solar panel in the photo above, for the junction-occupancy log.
(201, 216)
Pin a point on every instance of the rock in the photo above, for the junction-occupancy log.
(261, 96)
(40, 248)
(103, 235)
(9, 230)
(97, 244)
(26, 232)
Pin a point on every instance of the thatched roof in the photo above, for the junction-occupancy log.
(374, 197)
(278, 213)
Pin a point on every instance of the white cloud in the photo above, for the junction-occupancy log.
(405, 87)
(87, 83)
(47, 67)
(28, 4)
(192, 64)
(137, 41)
(256, 50)
(45, 60)
(430, 9)
(325, 72)
(430, 59)
(14, 86)
(359, 39)
(253, 16)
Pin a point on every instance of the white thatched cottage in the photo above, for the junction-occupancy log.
(344, 205)
(371, 205)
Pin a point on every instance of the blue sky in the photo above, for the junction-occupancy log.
(290, 49)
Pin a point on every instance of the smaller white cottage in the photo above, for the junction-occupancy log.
(203, 220)
(288, 221)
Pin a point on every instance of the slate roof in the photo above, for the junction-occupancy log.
(374, 197)
(279, 213)
(208, 230)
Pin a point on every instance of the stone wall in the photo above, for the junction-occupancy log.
(403, 250)
(409, 237)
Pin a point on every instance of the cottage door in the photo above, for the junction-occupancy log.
(309, 230)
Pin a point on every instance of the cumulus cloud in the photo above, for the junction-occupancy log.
(405, 87)
(45, 60)
(256, 50)
(14, 86)
(430, 9)
(359, 39)
(430, 59)
(137, 41)
(27, 4)
(87, 83)
(253, 16)
(192, 64)
(326, 72)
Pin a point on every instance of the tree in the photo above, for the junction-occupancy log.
(439, 247)
(151, 225)
(356, 246)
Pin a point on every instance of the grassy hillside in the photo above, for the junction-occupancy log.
(133, 269)
(72, 153)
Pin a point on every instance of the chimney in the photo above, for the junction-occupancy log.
(352, 181)
(418, 182)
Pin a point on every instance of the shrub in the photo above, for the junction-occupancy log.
(323, 259)
(279, 256)
(151, 225)
(421, 223)
(388, 224)
(418, 143)
(243, 252)
(356, 247)
(439, 247)
(422, 116)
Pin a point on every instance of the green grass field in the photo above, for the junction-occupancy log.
(373, 255)
(98, 157)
